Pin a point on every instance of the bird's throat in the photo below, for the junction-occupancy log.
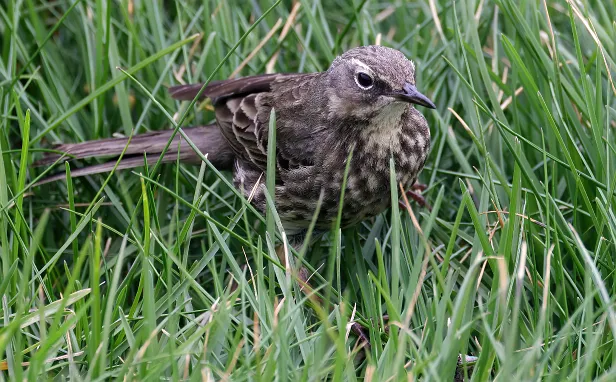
(384, 128)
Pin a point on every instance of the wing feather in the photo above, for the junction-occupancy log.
(242, 107)
(218, 91)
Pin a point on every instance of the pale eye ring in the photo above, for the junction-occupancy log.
(364, 80)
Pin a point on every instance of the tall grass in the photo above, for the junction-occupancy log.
(166, 272)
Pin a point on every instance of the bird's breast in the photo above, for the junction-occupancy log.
(367, 192)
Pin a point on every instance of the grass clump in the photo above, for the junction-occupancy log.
(166, 272)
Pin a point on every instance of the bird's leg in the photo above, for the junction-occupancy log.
(415, 193)
(358, 329)
(303, 277)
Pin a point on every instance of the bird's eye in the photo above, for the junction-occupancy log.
(364, 80)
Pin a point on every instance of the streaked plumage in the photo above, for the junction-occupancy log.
(363, 101)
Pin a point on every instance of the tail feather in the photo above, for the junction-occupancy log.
(125, 163)
(208, 139)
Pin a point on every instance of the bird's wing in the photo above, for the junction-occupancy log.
(218, 91)
(237, 119)
(242, 107)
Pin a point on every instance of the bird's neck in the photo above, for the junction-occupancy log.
(383, 129)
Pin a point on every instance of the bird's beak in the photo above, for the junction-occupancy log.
(410, 94)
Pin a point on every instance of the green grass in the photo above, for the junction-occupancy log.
(167, 272)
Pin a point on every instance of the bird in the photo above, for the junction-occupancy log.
(362, 107)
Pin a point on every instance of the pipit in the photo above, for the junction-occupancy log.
(363, 103)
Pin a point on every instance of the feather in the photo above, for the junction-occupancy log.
(207, 139)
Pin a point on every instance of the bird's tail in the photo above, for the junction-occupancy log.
(208, 139)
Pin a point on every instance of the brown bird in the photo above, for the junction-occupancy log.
(363, 102)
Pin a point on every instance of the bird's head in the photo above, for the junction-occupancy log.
(367, 81)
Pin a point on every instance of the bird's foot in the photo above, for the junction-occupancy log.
(415, 193)
(363, 337)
